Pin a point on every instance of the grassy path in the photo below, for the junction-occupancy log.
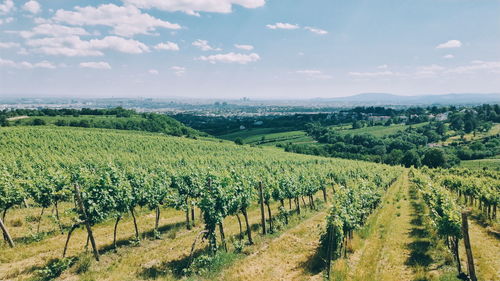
(284, 258)
(486, 251)
(384, 253)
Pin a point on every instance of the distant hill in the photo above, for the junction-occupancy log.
(390, 99)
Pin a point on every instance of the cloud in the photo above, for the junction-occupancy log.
(313, 74)
(383, 66)
(72, 46)
(449, 56)
(281, 25)
(474, 66)
(316, 30)
(6, 20)
(27, 65)
(193, 7)
(153, 72)
(429, 70)
(373, 74)
(32, 7)
(54, 30)
(6, 7)
(231, 58)
(95, 65)
(125, 21)
(168, 46)
(244, 47)
(204, 46)
(178, 70)
(450, 44)
(7, 45)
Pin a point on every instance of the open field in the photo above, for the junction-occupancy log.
(379, 131)
(492, 164)
(268, 136)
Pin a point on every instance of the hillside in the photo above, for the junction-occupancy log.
(113, 118)
(105, 163)
(194, 205)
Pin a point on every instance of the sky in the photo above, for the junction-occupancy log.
(266, 49)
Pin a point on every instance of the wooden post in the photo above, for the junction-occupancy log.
(87, 224)
(468, 250)
(6, 234)
(329, 252)
(263, 216)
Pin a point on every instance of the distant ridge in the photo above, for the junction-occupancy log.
(391, 99)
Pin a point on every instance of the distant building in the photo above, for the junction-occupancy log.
(258, 123)
(242, 127)
(442, 116)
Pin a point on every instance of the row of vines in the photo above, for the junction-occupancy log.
(107, 175)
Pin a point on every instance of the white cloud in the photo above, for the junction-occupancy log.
(231, 58)
(281, 25)
(450, 44)
(474, 66)
(373, 74)
(6, 7)
(383, 66)
(73, 46)
(429, 70)
(313, 74)
(6, 20)
(95, 65)
(125, 20)
(7, 45)
(316, 30)
(153, 72)
(178, 70)
(32, 7)
(244, 47)
(192, 7)
(449, 56)
(204, 46)
(54, 30)
(169, 46)
(27, 65)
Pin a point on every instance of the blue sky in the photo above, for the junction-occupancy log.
(248, 48)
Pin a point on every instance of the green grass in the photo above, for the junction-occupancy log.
(380, 131)
(491, 164)
(269, 136)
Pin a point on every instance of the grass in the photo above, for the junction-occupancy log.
(379, 248)
(130, 261)
(495, 130)
(269, 136)
(491, 164)
(380, 131)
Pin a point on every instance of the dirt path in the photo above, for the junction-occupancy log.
(486, 252)
(385, 252)
(283, 258)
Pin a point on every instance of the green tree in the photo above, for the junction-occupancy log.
(434, 158)
(411, 158)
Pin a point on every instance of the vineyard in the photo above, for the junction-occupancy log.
(93, 204)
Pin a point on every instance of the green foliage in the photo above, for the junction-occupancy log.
(54, 269)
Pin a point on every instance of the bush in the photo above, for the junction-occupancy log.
(38, 122)
(83, 264)
(54, 269)
(238, 141)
